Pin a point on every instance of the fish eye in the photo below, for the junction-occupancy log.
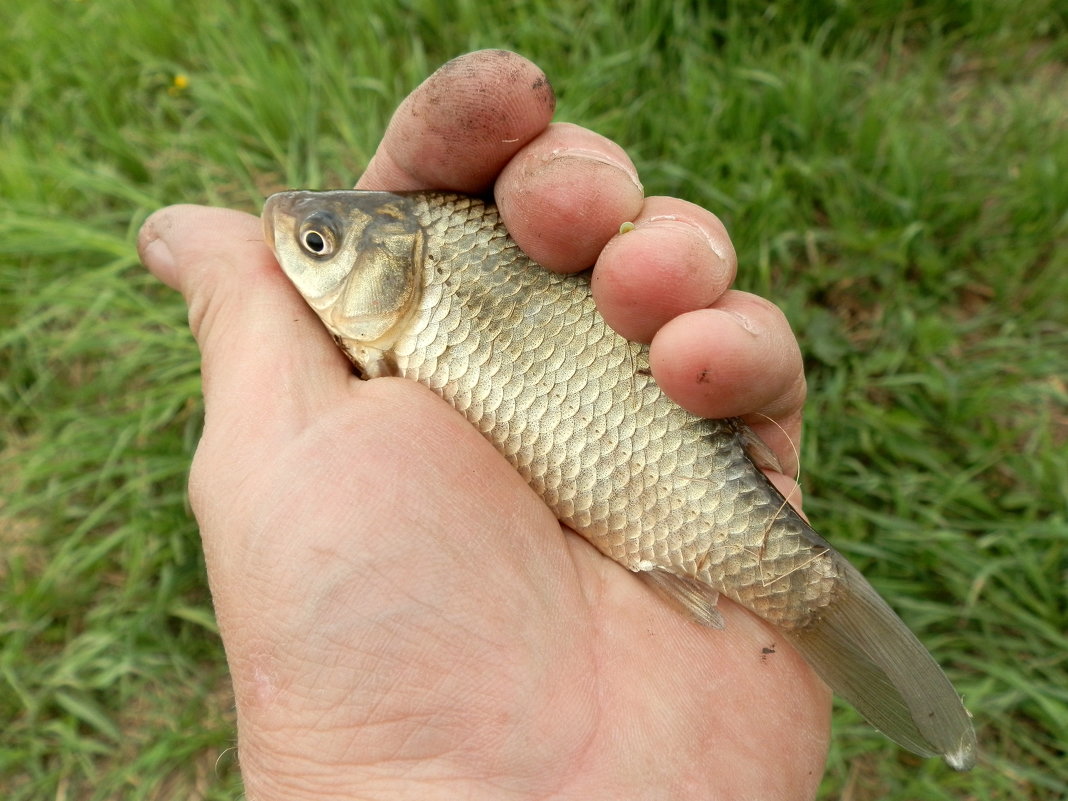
(318, 235)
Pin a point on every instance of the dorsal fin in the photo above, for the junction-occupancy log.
(756, 448)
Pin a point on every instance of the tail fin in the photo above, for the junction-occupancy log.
(863, 650)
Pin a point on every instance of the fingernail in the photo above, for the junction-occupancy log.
(679, 224)
(745, 322)
(154, 251)
(157, 257)
(598, 158)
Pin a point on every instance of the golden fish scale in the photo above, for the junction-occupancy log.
(523, 354)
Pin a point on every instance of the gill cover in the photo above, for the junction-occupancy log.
(353, 255)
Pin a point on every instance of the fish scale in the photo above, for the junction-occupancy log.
(431, 287)
(463, 344)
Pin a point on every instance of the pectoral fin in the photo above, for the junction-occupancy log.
(692, 596)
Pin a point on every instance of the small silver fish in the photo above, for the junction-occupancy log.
(431, 287)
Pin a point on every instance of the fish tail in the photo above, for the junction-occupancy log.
(863, 650)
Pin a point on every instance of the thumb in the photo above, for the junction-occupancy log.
(267, 362)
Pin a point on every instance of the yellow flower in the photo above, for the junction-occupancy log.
(179, 84)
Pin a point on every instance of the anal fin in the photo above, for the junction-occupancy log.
(692, 596)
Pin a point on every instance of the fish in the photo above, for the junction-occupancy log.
(430, 286)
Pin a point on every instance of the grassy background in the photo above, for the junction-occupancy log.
(895, 176)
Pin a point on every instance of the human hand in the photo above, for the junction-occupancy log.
(401, 615)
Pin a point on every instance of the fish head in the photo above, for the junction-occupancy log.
(354, 256)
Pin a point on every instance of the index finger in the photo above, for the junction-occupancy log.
(459, 127)
(482, 121)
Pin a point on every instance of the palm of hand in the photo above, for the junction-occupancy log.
(434, 624)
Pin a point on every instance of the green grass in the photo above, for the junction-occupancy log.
(894, 174)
